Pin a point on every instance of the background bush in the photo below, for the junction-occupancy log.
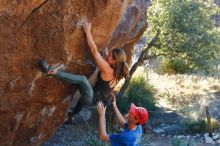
(175, 65)
(139, 92)
(199, 126)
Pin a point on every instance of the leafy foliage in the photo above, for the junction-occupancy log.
(199, 126)
(186, 31)
(138, 92)
(175, 65)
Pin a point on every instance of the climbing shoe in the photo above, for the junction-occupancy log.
(44, 66)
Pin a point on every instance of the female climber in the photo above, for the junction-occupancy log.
(112, 69)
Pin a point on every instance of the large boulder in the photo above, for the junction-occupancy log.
(131, 27)
(33, 105)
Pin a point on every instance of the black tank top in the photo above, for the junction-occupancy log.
(102, 90)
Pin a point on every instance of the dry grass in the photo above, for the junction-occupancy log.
(186, 93)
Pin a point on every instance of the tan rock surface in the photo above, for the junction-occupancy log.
(131, 27)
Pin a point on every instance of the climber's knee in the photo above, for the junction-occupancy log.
(83, 79)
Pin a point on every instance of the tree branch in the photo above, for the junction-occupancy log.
(139, 62)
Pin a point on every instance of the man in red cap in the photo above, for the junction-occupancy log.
(131, 136)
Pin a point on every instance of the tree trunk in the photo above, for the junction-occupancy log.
(127, 81)
(139, 62)
(209, 122)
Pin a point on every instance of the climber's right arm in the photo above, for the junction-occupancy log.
(100, 61)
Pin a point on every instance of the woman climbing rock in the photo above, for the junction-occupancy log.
(112, 69)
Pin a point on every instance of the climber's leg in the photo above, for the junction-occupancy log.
(78, 107)
(85, 88)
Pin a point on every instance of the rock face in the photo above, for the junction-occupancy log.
(32, 105)
(131, 27)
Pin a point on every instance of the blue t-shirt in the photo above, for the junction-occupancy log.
(127, 137)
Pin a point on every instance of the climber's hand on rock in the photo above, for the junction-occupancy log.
(87, 27)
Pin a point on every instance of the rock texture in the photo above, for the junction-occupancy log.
(131, 27)
(32, 105)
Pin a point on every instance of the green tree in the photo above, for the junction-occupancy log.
(183, 29)
(186, 31)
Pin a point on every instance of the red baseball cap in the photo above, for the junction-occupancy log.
(140, 113)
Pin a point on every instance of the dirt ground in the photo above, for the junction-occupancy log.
(76, 133)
